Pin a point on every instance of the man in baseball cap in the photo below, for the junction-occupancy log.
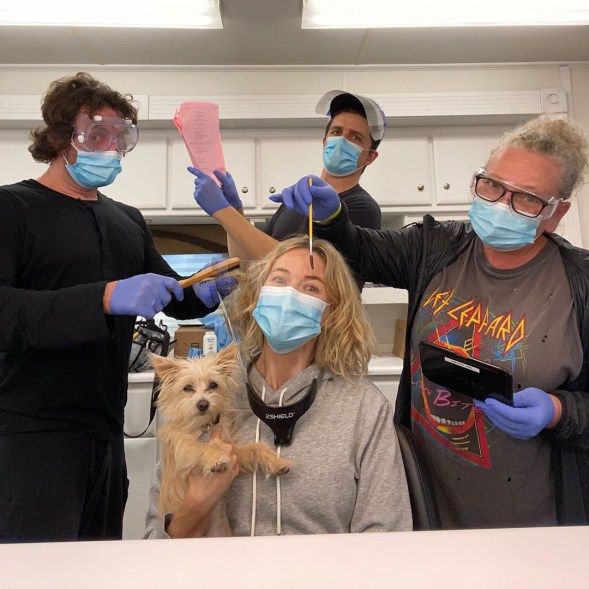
(355, 128)
(336, 101)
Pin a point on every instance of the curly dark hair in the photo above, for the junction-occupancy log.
(62, 103)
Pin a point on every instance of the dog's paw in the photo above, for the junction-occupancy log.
(220, 465)
(281, 467)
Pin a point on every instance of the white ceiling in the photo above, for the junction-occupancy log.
(267, 32)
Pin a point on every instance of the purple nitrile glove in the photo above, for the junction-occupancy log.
(211, 291)
(207, 193)
(532, 411)
(229, 189)
(144, 295)
(299, 196)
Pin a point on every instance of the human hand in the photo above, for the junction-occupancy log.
(143, 294)
(206, 490)
(299, 196)
(202, 496)
(212, 290)
(532, 411)
(229, 189)
(207, 194)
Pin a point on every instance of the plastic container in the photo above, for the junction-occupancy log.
(209, 343)
(194, 351)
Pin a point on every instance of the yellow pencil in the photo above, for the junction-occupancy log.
(311, 230)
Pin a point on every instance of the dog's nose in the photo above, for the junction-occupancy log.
(202, 405)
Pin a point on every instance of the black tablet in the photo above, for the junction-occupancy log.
(464, 375)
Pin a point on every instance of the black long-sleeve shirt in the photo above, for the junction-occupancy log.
(63, 361)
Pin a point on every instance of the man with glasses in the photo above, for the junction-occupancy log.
(76, 268)
(505, 289)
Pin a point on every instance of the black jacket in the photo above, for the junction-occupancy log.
(409, 258)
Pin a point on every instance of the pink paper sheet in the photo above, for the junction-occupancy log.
(198, 123)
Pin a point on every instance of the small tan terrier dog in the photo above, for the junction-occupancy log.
(197, 396)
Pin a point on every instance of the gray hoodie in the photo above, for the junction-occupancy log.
(347, 473)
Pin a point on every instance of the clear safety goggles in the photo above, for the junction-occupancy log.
(336, 100)
(522, 202)
(99, 133)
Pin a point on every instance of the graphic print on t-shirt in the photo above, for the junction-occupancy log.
(501, 317)
(471, 329)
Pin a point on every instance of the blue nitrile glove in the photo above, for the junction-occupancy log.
(326, 201)
(144, 295)
(229, 189)
(532, 411)
(217, 321)
(212, 290)
(206, 193)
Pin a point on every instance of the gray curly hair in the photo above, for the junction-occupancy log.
(556, 137)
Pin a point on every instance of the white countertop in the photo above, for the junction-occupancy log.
(538, 558)
(386, 365)
(379, 366)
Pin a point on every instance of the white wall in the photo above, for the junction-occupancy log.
(580, 103)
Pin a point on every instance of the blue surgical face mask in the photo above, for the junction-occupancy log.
(340, 156)
(95, 169)
(288, 318)
(499, 227)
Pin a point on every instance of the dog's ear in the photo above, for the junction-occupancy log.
(227, 358)
(164, 367)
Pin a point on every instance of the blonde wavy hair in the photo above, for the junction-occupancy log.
(346, 341)
(556, 137)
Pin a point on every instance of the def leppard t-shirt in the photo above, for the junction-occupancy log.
(519, 319)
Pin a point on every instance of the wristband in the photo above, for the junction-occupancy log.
(331, 217)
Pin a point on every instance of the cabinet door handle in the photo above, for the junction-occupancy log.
(245, 189)
(420, 187)
(446, 186)
(272, 189)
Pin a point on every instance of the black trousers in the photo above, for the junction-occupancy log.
(61, 486)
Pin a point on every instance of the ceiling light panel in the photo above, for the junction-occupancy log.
(171, 14)
(374, 14)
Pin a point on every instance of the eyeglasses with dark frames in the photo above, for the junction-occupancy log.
(524, 203)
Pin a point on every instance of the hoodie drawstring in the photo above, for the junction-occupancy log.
(255, 478)
(278, 496)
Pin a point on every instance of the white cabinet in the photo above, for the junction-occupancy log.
(385, 371)
(424, 167)
(240, 159)
(401, 173)
(284, 160)
(399, 176)
(16, 162)
(181, 180)
(140, 453)
(143, 181)
(138, 405)
(456, 156)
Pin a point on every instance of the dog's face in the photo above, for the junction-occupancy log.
(196, 392)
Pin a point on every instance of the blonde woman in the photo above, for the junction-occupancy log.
(305, 348)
